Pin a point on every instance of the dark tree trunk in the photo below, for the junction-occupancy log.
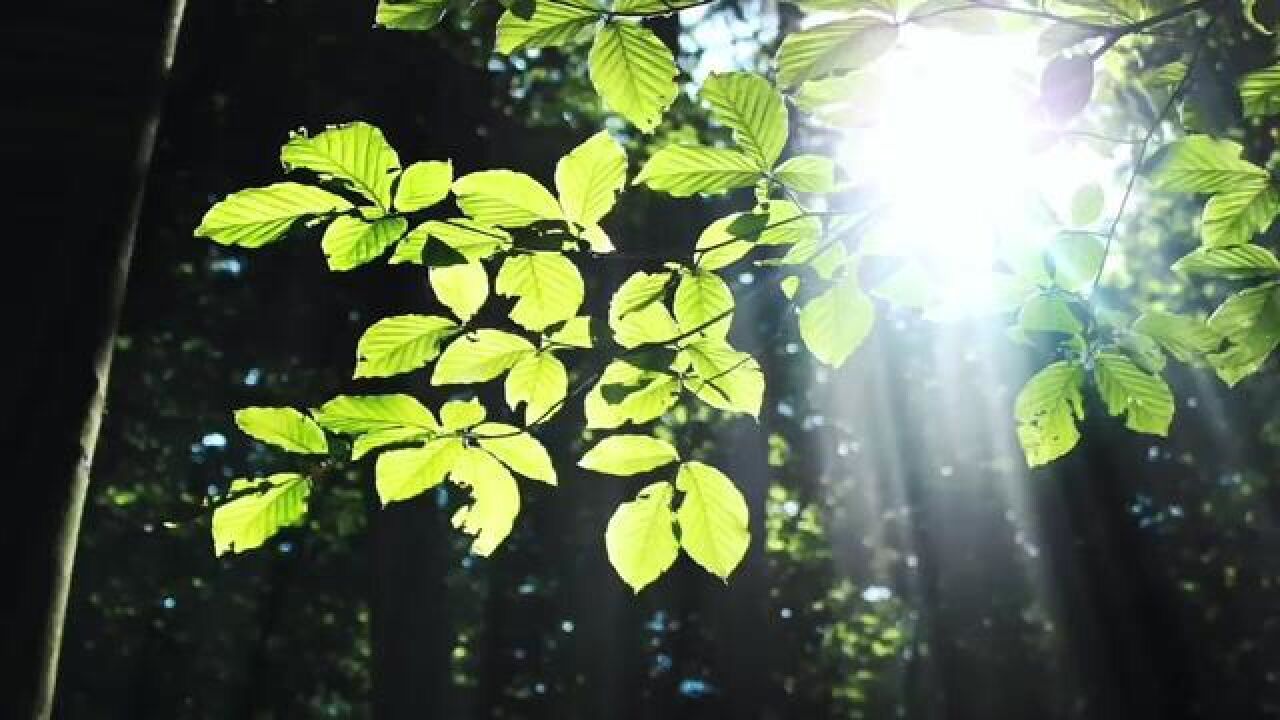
(92, 80)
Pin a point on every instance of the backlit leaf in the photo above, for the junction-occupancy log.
(462, 288)
(547, 285)
(495, 499)
(540, 382)
(479, 356)
(257, 216)
(712, 519)
(401, 343)
(407, 473)
(518, 450)
(504, 198)
(262, 508)
(357, 155)
(634, 73)
(422, 185)
(628, 455)
(1143, 398)
(684, 170)
(350, 242)
(1046, 409)
(640, 538)
(355, 414)
(841, 45)
(283, 427)
(836, 322)
(751, 107)
(590, 177)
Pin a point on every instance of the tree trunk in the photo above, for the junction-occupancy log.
(85, 136)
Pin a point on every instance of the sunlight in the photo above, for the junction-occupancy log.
(954, 148)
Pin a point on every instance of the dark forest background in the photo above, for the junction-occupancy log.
(904, 564)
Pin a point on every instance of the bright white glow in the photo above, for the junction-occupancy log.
(956, 152)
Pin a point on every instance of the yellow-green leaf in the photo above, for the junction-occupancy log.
(357, 155)
(407, 473)
(640, 539)
(540, 382)
(629, 455)
(712, 519)
(633, 72)
(261, 508)
(547, 286)
(462, 288)
(479, 356)
(423, 184)
(283, 427)
(495, 499)
(401, 344)
(518, 450)
(257, 216)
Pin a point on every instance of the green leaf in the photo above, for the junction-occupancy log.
(589, 179)
(1185, 338)
(495, 499)
(1125, 388)
(836, 322)
(547, 285)
(458, 415)
(1202, 164)
(407, 473)
(712, 519)
(378, 439)
(540, 382)
(1232, 261)
(466, 240)
(958, 15)
(479, 356)
(1048, 313)
(261, 508)
(518, 450)
(703, 302)
(637, 315)
(1250, 321)
(841, 45)
(683, 170)
(1233, 218)
(257, 216)
(634, 73)
(504, 198)
(807, 173)
(401, 344)
(423, 184)
(283, 427)
(357, 155)
(625, 393)
(350, 242)
(640, 538)
(725, 378)
(747, 104)
(356, 414)
(718, 246)
(629, 455)
(1086, 205)
(1260, 92)
(1046, 409)
(1076, 259)
(551, 24)
(410, 14)
(462, 288)
(575, 332)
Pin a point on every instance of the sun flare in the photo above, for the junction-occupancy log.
(955, 149)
